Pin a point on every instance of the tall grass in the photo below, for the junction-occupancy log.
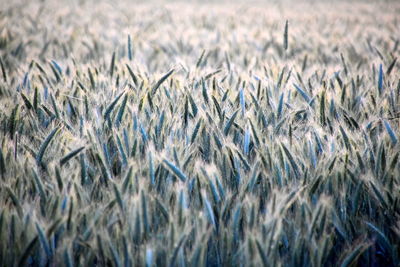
(191, 135)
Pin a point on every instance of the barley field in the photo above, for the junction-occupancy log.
(163, 133)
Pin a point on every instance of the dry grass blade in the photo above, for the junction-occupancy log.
(70, 155)
(160, 81)
(352, 257)
(44, 145)
(175, 170)
(285, 35)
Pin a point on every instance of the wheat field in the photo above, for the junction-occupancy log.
(184, 133)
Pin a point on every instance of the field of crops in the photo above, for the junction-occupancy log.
(189, 134)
